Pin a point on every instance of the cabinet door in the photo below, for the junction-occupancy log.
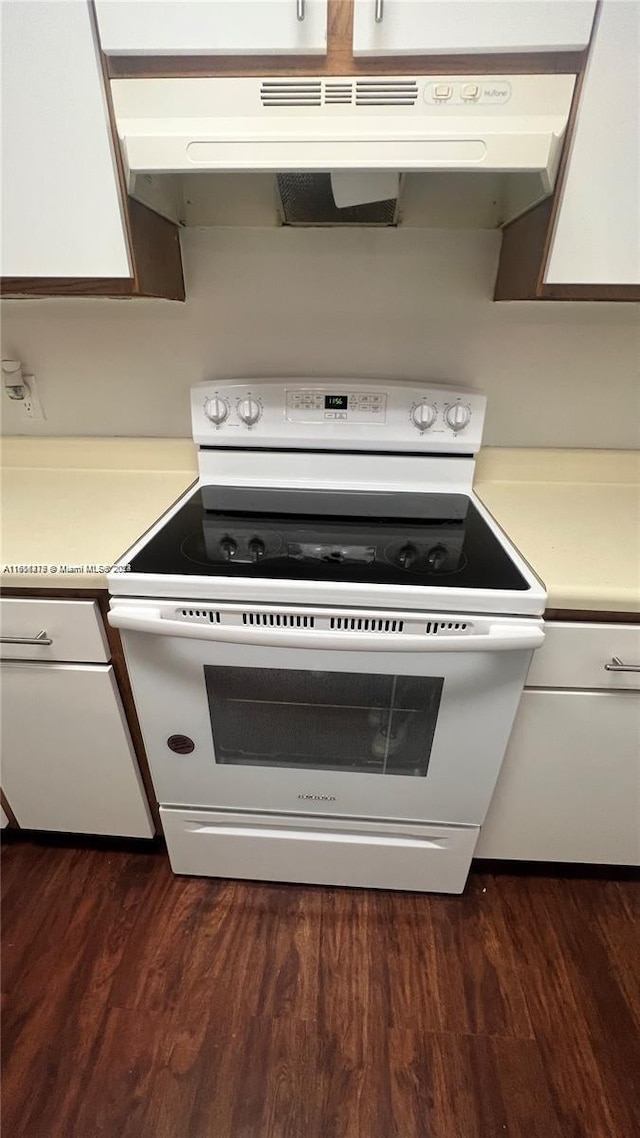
(407, 27)
(596, 238)
(213, 27)
(61, 207)
(67, 759)
(569, 788)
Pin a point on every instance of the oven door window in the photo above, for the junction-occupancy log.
(333, 721)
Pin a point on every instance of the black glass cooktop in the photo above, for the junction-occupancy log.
(370, 538)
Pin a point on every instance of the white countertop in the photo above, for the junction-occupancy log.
(72, 507)
(76, 505)
(574, 515)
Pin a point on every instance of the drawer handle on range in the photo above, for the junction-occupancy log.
(615, 665)
(41, 638)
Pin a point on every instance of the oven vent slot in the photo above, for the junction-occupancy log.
(435, 626)
(278, 620)
(291, 93)
(365, 624)
(386, 92)
(203, 616)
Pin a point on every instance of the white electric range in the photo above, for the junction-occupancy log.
(328, 637)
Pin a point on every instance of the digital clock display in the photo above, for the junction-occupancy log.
(335, 402)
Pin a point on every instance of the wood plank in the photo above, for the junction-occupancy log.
(578, 1010)
(466, 1086)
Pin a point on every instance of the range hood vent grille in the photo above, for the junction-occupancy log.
(386, 92)
(338, 92)
(291, 93)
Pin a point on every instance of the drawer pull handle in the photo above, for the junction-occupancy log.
(40, 639)
(615, 665)
(300, 9)
(379, 11)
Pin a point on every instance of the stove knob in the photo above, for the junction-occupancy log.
(436, 558)
(228, 548)
(249, 410)
(256, 548)
(216, 409)
(407, 556)
(457, 416)
(424, 416)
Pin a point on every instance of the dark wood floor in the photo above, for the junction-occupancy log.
(143, 1005)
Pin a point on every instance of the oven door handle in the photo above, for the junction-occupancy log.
(499, 638)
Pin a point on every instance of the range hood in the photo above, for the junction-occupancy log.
(306, 125)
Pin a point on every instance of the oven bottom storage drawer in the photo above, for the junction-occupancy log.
(426, 858)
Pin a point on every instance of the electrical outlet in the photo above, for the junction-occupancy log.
(32, 408)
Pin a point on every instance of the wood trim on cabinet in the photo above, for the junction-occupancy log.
(629, 292)
(592, 616)
(117, 661)
(521, 253)
(155, 249)
(340, 60)
(13, 822)
(239, 66)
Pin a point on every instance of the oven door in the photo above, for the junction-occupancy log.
(319, 711)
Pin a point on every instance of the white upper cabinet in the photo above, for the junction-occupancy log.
(61, 206)
(597, 233)
(460, 27)
(213, 27)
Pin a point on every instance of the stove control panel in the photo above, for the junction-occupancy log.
(343, 406)
(337, 415)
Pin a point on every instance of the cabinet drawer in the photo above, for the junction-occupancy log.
(74, 628)
(426, 858)
(574, 656)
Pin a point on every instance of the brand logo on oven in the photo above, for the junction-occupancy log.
(318, 797)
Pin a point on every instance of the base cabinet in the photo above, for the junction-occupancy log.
(569, 788)
(67, 758)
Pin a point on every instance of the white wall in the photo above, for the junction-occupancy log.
(384, 303)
